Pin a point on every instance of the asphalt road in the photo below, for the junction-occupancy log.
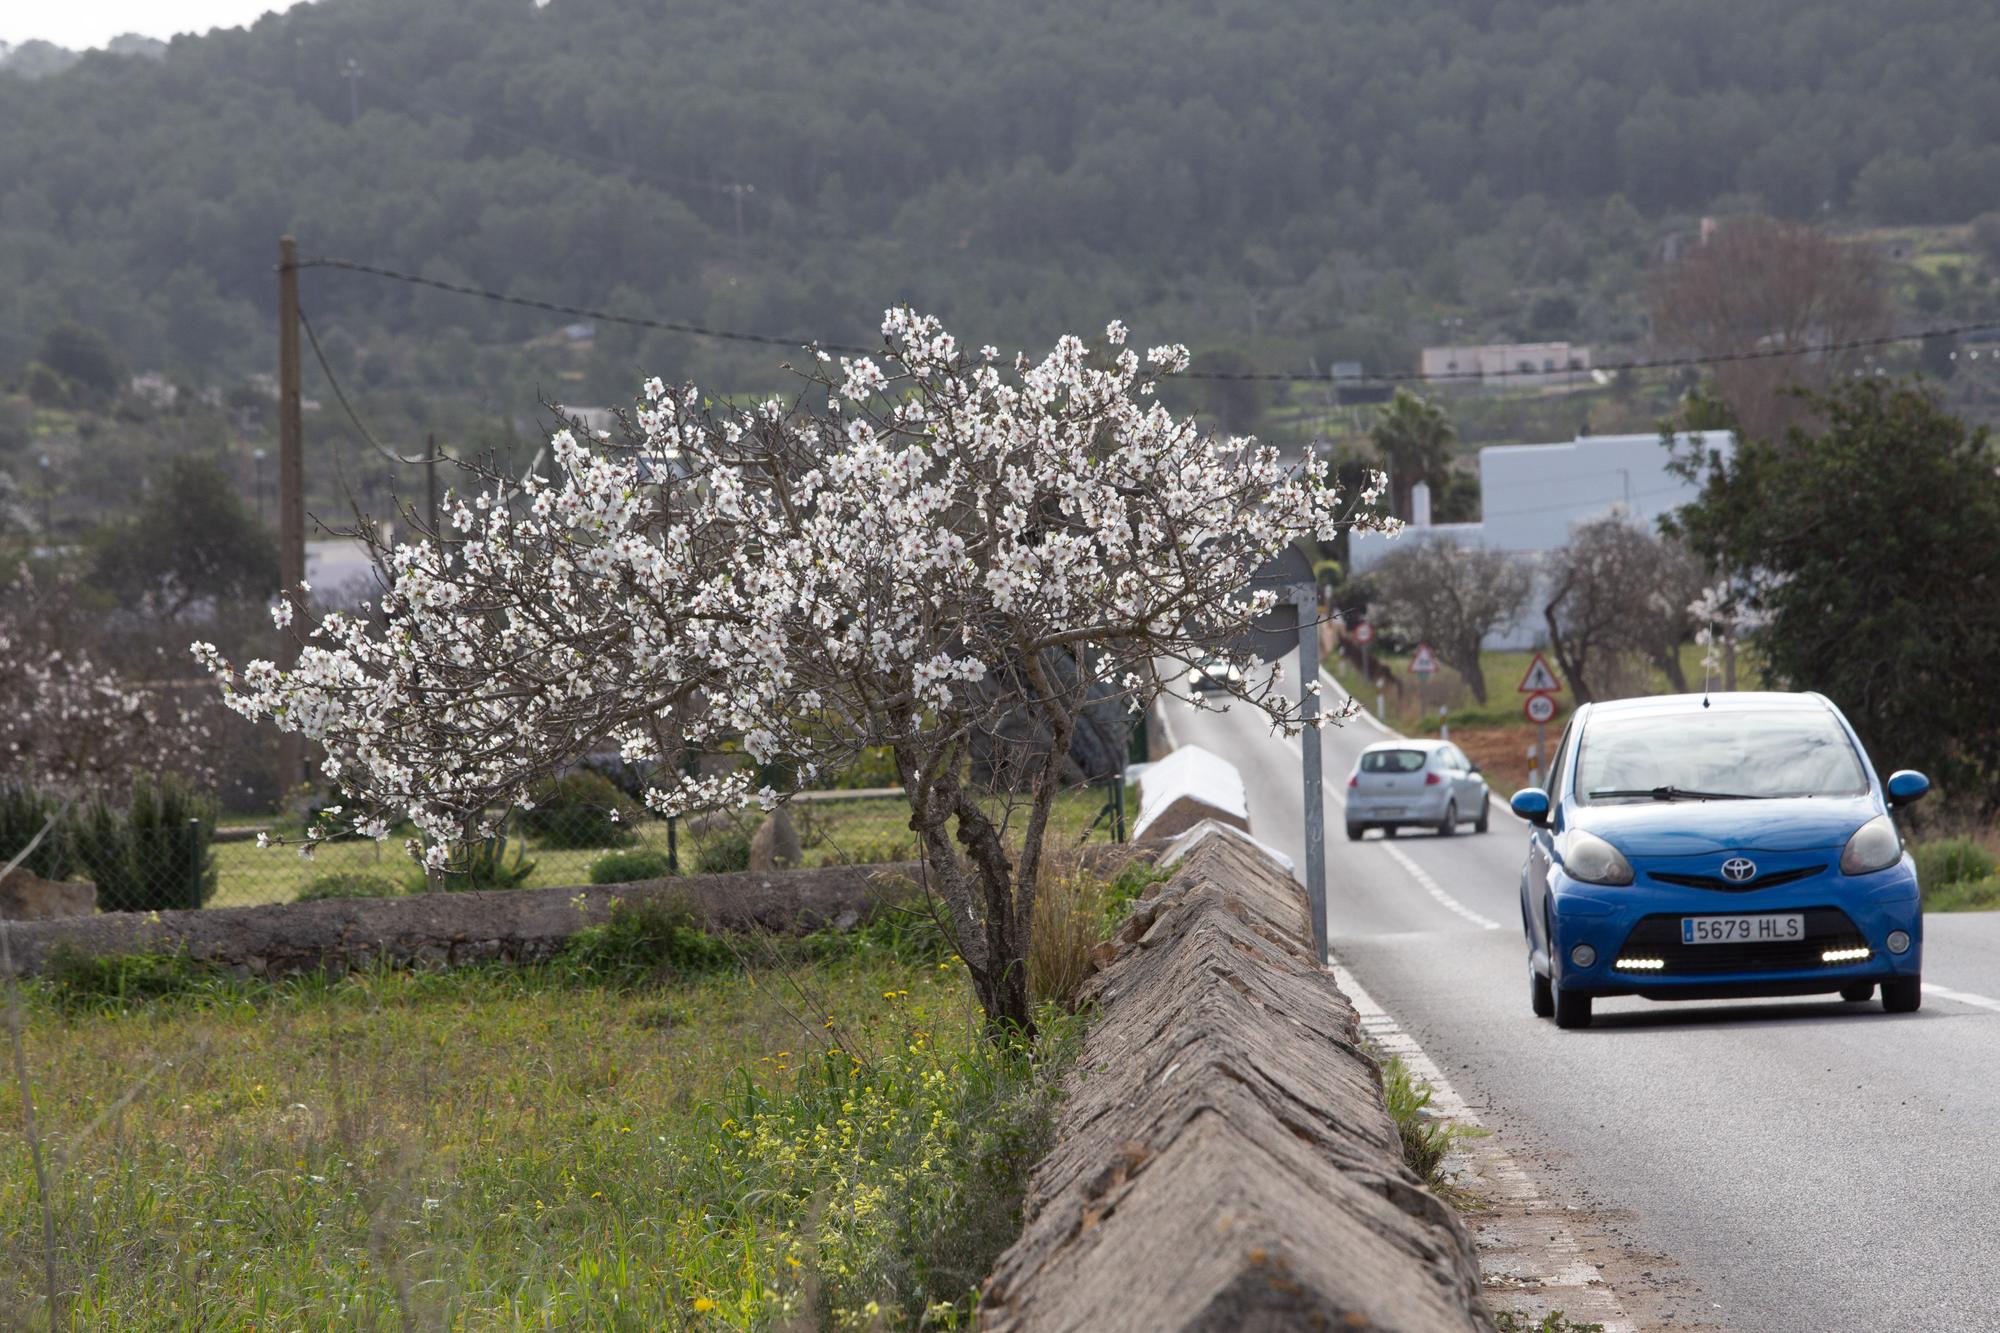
(1812, 1165)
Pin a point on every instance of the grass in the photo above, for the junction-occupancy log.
(642, 1134)
(1959, 874)
(866, 831)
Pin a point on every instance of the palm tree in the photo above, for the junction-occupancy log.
(1414, 437)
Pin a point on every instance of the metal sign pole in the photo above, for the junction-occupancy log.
(1307, 606)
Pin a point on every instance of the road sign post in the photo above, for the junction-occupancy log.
(1364, 634)
(1305, 602)
(1539, 679)
(1423, 666)
(1539, 708)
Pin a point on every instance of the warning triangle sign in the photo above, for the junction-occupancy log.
(1425, 663)
(1539, 680)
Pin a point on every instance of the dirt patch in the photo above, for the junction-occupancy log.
(1501, 753)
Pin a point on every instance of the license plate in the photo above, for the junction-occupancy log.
(1765, 928)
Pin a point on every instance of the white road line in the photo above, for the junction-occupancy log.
(1431, 886)
(1962, 997)
(1566, 1265)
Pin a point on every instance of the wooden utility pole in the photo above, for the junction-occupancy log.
(291, 498)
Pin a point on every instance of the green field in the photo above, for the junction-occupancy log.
(859, 831)
(563, 1147)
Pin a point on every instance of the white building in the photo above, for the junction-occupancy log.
(1509, 363)
(1532, 495)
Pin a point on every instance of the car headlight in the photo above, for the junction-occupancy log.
(1590, 858)
(1874, 846)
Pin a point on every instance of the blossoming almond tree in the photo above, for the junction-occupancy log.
(909, 552)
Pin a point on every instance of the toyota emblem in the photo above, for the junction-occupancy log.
(1739, 868)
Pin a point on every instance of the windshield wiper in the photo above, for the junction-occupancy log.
(1677, 794)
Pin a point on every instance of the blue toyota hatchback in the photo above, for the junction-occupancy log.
(1704, 847)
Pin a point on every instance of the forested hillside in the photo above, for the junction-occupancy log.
(1289, 179)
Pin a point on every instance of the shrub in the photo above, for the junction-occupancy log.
(24, 809)
(646, 942)
(153, 854)
(580, 809)
(349, 884)
(624, 867)
(724, 851)
(1951, 861)
(481, 865)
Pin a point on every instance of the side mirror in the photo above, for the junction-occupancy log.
(1531, 804)
(1906, 785)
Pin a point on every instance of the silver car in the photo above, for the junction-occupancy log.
(1421, 783)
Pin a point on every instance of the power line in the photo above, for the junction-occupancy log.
(601, 316)
(319, 355)
(1270, 376)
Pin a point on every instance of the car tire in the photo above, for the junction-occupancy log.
(1902, 995)
(1354, 832)
(1485, 820)
(1859, 992)
(1449, 824)
(1388, 830)
(1572, 1009)
(1541, 996)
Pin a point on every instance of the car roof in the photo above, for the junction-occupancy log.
(1725, 700)
(1418, 744)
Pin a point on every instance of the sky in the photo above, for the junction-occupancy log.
(82, 24)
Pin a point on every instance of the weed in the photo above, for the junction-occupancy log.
(1555, 1321)
(1426, 1139)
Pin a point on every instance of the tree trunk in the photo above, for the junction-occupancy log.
(1475, 679)
(1670, 665)
(1572, 658)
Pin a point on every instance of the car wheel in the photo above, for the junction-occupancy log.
(1449, 824)
(1388, 830)
(1572, 1009)
(1902, 995)
(1541, 996)
(1857, 993)
(1485, 819)
(1354, 832)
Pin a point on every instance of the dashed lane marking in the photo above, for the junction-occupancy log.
(1431, 886)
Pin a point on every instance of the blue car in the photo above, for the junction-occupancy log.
(1717, 846)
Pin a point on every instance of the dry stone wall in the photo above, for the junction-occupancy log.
(1225, 1159)
(518, 925)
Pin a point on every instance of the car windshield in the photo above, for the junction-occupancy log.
(1717, 752)
(1392, 761)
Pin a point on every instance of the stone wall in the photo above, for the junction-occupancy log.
(520, 925)
(1225, 1159)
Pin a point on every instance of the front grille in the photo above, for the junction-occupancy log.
(1660, 937)
(1770, 881)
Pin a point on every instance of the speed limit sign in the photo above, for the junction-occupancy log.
(1363, 633)
(1539, 708)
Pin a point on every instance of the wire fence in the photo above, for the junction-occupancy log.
(195, 862)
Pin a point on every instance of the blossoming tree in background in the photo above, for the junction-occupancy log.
(914, 552)
(69, 722)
